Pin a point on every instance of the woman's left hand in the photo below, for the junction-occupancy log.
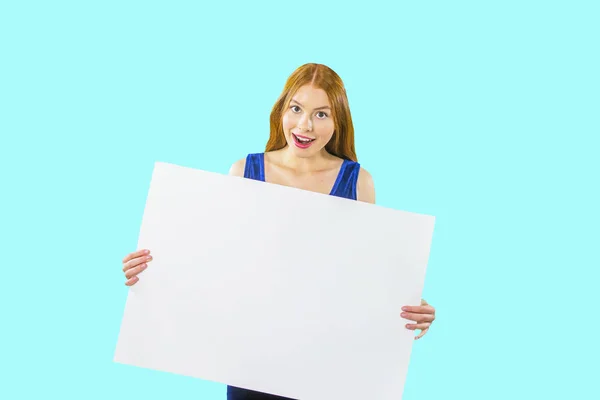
(423, 315)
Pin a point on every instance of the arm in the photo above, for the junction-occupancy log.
(365, 187)
(422, 315)
(237, 169)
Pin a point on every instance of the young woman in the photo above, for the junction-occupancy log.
(311, 147)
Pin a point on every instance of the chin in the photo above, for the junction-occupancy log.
(301, 153)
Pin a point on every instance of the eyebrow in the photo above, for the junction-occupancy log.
(318, 108)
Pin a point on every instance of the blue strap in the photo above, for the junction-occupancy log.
(347, 181)
(255, 167)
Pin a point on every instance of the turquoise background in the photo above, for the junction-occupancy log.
(484, 114)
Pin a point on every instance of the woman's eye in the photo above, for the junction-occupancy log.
(321, 115)
(295, 109)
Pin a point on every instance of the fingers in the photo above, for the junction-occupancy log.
(420, 335)
(134, 271)
(422, 326)
(418, 317)
(424, 309)
(139, 253)
(135, 262)
(132, 281)
(423, 315)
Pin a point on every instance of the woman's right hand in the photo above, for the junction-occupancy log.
(133, 264)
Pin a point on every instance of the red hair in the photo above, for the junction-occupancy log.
(322, 77)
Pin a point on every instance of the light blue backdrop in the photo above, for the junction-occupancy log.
(484, 114)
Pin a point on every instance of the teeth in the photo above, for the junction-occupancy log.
(303, 140)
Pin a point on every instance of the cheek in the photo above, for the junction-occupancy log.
(288, 122)
(325, 129)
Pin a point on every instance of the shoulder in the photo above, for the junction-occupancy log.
(238, 167)
(365, 186)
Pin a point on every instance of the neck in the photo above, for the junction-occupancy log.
(305, 164)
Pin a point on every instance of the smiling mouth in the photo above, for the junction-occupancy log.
(302, 140)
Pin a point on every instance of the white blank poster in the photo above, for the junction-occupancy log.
(273, 288)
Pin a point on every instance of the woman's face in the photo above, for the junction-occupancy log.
(307, 123)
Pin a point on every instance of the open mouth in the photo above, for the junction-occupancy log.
(302, 141)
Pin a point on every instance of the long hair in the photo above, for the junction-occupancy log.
(322, 77)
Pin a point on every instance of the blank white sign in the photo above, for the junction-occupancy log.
(273, 288)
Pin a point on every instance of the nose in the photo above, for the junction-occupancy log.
(305, 123)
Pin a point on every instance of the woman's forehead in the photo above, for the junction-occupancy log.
(311, 97)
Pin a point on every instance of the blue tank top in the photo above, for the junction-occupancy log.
(344, 186)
